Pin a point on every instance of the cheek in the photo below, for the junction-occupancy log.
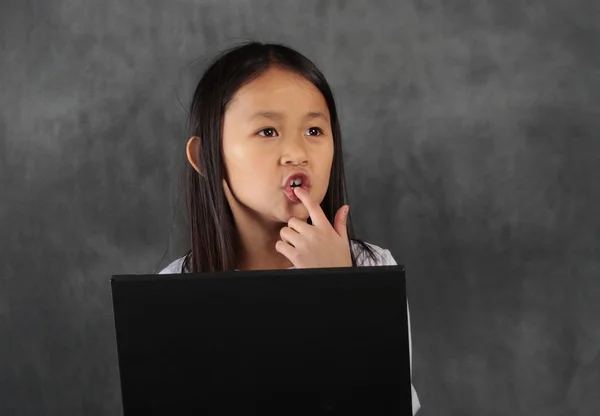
(248, 170)
(238, 158)
(326, 162)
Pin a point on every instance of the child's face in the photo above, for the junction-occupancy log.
(276, 125)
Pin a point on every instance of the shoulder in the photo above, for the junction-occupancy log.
(174, 267)
(381, 256)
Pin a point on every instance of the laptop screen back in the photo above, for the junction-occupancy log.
(285, 342)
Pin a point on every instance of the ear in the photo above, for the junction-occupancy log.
(193, 152)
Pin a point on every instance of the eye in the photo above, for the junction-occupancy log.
(268, 132)
(314, 131)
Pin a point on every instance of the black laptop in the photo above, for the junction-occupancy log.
(279, 342)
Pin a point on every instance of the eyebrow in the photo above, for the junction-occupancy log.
(278, 116)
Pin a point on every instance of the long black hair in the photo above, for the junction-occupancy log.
(213, 233)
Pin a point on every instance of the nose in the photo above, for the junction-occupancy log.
(294, 152)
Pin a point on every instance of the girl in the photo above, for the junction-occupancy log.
(265, 179)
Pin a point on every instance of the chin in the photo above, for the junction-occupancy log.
(297, 211)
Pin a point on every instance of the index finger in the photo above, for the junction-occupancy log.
(315, 212)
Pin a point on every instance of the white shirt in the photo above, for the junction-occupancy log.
(383, 258)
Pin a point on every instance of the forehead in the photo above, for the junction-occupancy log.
(279, 90)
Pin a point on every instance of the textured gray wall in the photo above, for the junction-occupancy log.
(471, 133)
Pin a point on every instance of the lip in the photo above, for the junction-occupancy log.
(289, 191)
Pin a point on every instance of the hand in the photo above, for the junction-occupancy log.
(317, 245)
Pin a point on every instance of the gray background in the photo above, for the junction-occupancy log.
(472, 154)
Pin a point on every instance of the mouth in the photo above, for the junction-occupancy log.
(296, 180)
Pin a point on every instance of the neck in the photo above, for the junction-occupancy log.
(256, 246)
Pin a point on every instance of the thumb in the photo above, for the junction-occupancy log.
(341, 219)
